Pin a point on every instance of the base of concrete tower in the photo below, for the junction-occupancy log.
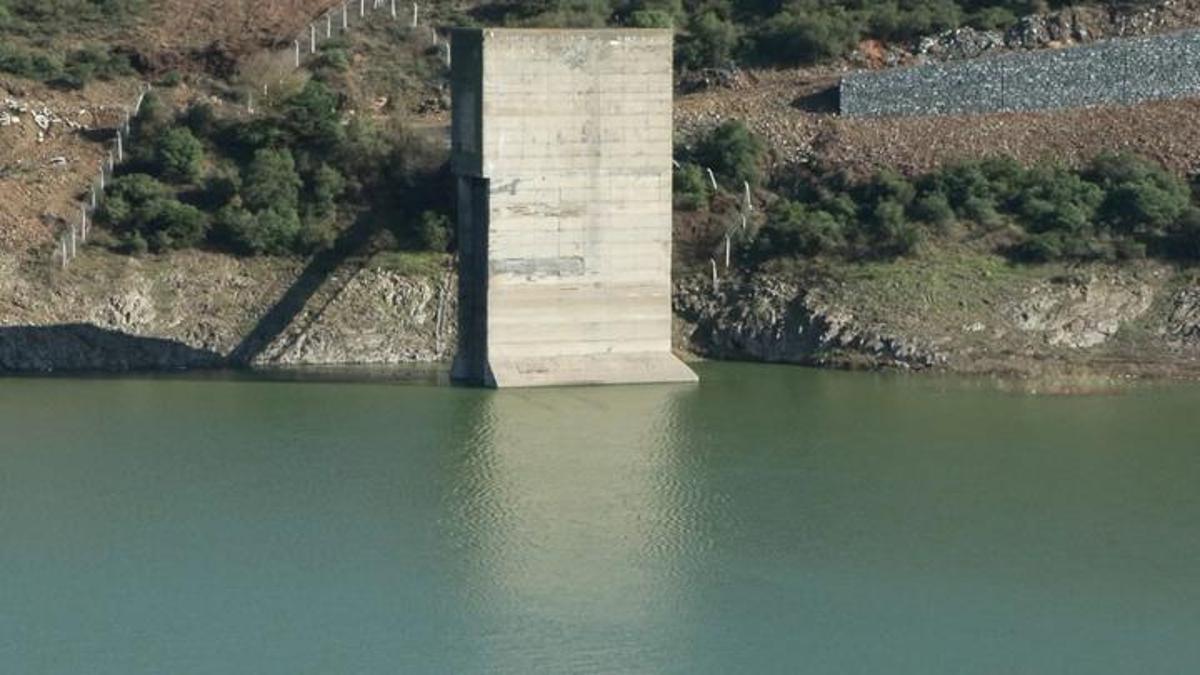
(594, 369)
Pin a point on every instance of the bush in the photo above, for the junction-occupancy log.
(124, 195)
(795, 229)
(433, 230)
(933, 208)
(733, 153)
(179, 155)
(709, 42)
(270, 231)
(800, 39)
(1141, 198)
(168, 224)
(691, 187)
(271, 182)
(311, 116)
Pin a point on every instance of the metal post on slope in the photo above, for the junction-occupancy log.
(83, 221)
(715, 280)
(93, 195)
(297, 44)
(393, 9)
(713, 178)
(728, 249)
(120, 148)
(448, 57)
(749, 201)
(71, 235)
(362, 8)
(329, 25)
(346, 16)
(312, 38)
(102, 177)
(416, 14)
(63, 245)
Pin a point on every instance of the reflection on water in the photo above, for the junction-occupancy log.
(567, 507)
(770, 520)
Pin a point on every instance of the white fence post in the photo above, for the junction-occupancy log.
(728, 250)
(297, 43)
(712, 177)
(120, 148)
(346, 16)
(83, 221)
(362, 8)
(416, 12)
(63, 245)
(329, 25)
(312, 38)
(393, 9)
(749, 201)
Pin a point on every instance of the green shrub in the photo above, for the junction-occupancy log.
(651, 18)
(691, 187)
(179, 155)
(933, 208)
(1141, 198)
(271, 182)
(124, 195)
(733, 153)
(168, 224)
(795, 229)
(891, 232)
(799, 39)
(311, 116)
(709, 42)
(433, 230)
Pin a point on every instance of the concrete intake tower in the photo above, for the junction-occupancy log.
(562, 145)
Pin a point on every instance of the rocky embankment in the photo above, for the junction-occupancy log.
(979, 318)
(193, 310)
(954, 313)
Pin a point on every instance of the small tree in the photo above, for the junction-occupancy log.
(179, 155)
(271, 182)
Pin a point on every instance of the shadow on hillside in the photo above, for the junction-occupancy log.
(827, 100)
(353, 241)
(88, 348)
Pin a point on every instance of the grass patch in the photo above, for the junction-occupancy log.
(410, 263)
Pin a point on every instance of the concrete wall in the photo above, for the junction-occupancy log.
(562, 144)
(1109, 72)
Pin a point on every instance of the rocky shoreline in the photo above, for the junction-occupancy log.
(968, 315)
(1121, 322)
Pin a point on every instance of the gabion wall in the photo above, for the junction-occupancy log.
(1114, 71)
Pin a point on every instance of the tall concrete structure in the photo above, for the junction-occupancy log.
(562, 149)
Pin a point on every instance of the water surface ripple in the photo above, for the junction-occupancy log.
(772, 519)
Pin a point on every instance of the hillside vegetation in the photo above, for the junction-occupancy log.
(716, 33)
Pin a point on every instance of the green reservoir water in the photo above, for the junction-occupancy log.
(770, 520)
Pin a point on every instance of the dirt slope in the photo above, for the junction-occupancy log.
(795, 110)
(242, 25)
